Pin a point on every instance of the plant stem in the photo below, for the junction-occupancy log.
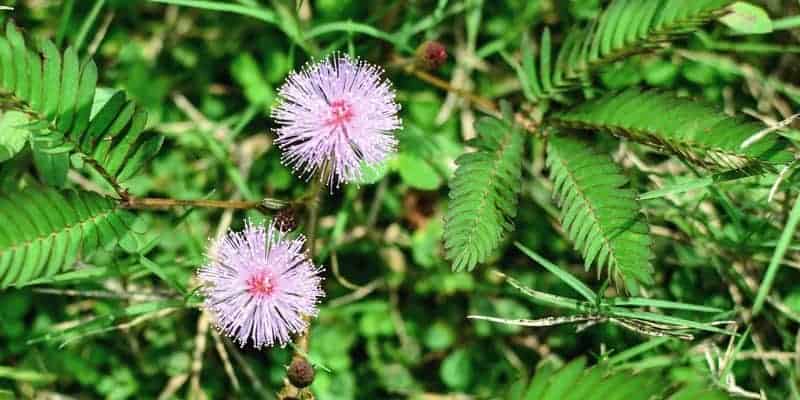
(121, 192)
(487, 105)
(313, 215)
(149, 202)
(314, 200)
(774, 263)
(482, 102)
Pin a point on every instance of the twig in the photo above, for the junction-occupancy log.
(100, 35)
(359, 294)
(172, 387)
(226, 361)
(485, 104)
(781, 176)
(98, 294)
(156, 203)
(764, 132)
(342, 280)
(200, 341)
(127, 325)
(248, 371)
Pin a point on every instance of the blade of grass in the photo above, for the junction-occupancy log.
(16, 374)
(159, 271)
(777, 257)
(637, 350)
(87, 24)
(674, 305)
(63, 22)
(541, 297)
(693, 184)
(259, 13)
(786, 23)
(93, 273)
(356, 27)
(666, 319)
(562, 274)
(105, 320)
(729, 364)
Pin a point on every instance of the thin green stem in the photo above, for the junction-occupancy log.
(260, 13)
(63, 22)
(780, 250)
(786, 23)
(87, 24)
(121, 192)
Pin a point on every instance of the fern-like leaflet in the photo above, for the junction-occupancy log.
(626, 27)
(576, 381)
(691, 130)
(483, 194)
(44, 230)
(58, 93)
(598, 213)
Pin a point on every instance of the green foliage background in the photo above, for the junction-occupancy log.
(394, 322)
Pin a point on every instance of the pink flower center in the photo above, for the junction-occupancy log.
(260, 284)
(341, 113)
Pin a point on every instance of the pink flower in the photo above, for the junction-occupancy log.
(336, 114)
(260, 286)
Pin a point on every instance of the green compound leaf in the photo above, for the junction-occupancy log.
(693, 130)
(483, 194)
(576, 381)
(624, 28)
(45, 230)
(599, 214)
(57, 91)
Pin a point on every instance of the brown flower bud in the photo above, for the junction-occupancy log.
(300, 373)
(286, 219)
(431, 55)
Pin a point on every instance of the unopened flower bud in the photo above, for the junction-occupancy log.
(286, 219)
(431, 55)
(300, 373)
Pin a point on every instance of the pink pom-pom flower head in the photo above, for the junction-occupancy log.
(336, 115)
(260, 286)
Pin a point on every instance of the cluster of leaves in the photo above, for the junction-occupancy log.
(52, 102)
(602, 218)
(575, 381)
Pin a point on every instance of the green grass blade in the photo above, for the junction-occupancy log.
(673, 305)
(668, 320)
(562, 274)
(777, 257)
